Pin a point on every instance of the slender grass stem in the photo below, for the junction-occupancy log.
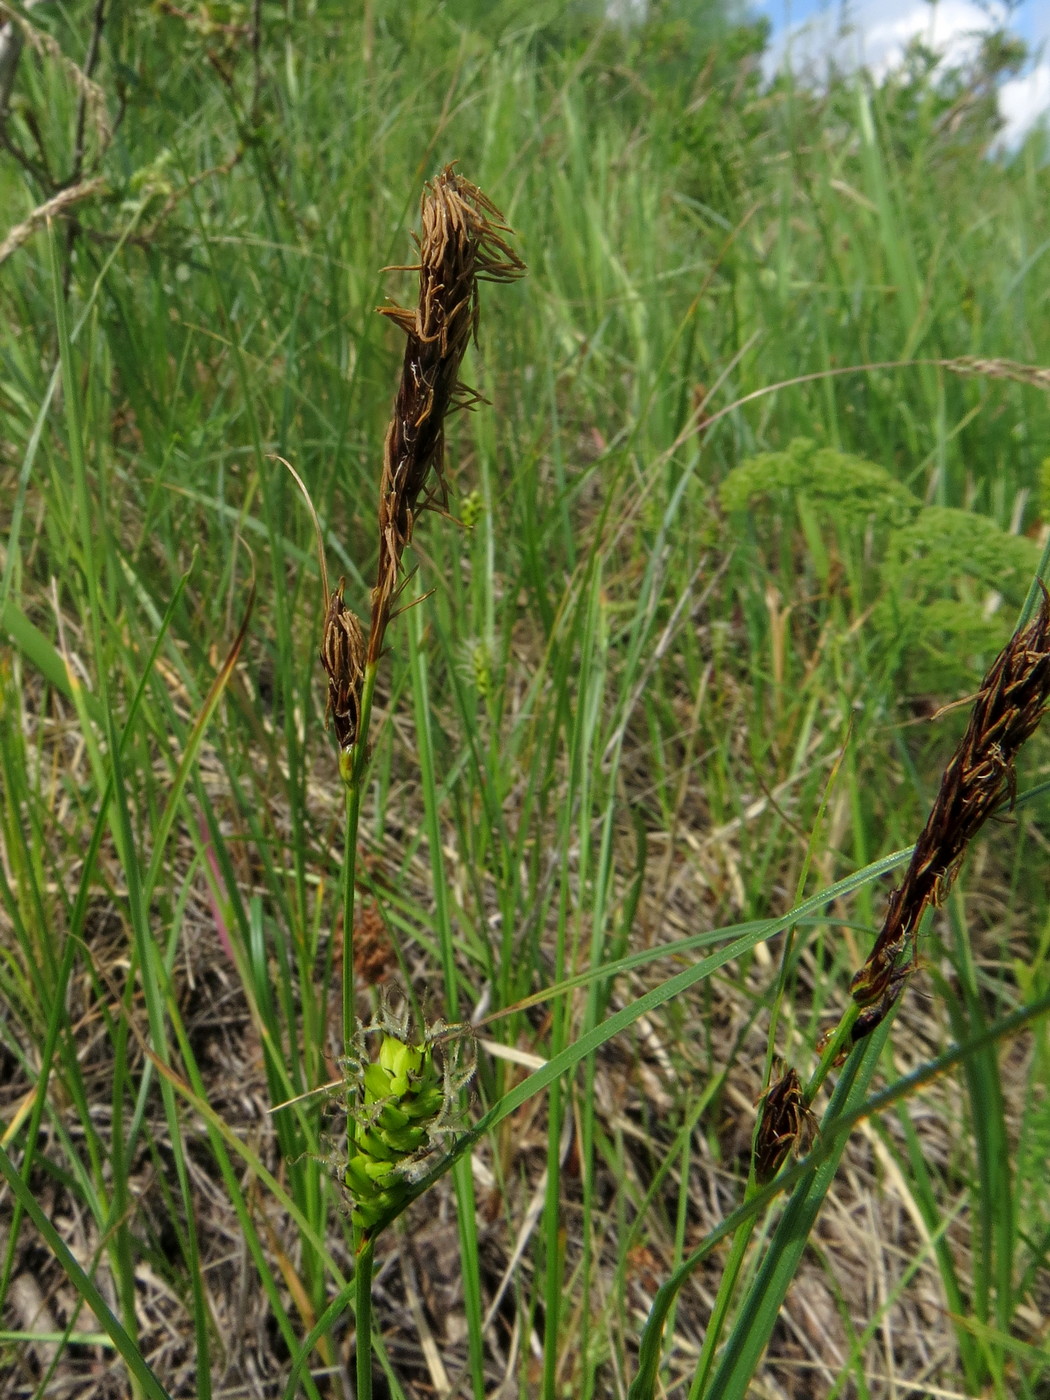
(353, 816)
(363, 1315)
(353, 766)
(726, 1290)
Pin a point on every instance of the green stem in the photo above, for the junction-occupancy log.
(353, 813)
(839, 1041)
(353, 767)
(363, 1317)
(726, 1290)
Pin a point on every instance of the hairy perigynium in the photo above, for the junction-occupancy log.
(401, 1097)
(400, 1109)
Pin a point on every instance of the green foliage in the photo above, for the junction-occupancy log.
(924, 95)
(943, 544)
(941, 573)
(848, 491)
(608, 734)
(930, 571)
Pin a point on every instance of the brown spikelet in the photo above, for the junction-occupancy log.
(1038, 376)
(891, 978)
(343, 658)
(784, 1126)
(461, 242)
(979, 775)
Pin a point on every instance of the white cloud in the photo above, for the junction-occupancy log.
(874, 34)
(952, 27)
(1024, 101)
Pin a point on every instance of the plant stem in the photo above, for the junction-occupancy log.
(353, 766)
(363, 1317)
(353, 812)
(726, 1289)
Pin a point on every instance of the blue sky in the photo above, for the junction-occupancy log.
(881, 28)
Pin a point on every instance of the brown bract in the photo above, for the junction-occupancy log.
(461, 242)
(785, 1125)
(979, 775)
(343, 658)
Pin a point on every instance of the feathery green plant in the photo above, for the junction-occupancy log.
(925, 572)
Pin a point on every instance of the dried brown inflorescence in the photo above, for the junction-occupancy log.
(343, 658)
(979, 775)
(785, 1125)
(461, 243)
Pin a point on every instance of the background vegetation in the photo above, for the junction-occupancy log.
(677, 676)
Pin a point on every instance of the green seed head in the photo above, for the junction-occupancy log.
(471, 508)
(399, 1106)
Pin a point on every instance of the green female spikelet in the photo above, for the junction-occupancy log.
(400, 1107)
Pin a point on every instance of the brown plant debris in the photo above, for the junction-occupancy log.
(374, 954)
(462, 242)
(979, 775)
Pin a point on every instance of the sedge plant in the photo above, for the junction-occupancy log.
(399, 1103)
